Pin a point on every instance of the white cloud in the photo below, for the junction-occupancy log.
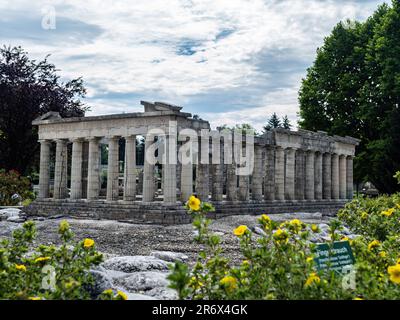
(135, 47)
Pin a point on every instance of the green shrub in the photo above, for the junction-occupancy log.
(46, 272)
(397, 176)
(280, 264)
(14, 188)
(374, 218)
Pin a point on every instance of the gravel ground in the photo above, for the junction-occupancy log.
(119, 239)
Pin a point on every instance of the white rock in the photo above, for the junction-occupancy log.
(170, 256)
(16, 219)
(146, 280)
(10, 212)
(259, 231)
(163, 293)
(137, 296)
(135, 263)
(101, 282)
(323, 226)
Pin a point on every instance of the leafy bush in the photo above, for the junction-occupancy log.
(46, 272)
(374, 218)
(280, 264)
(14, 188)
(397, 176)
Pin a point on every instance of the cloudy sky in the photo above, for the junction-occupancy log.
(229, 61)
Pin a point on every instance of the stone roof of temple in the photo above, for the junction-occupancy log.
(155, 109)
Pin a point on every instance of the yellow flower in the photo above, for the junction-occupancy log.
(309, 259)
(34, 298)
(364, 215)
(388, 212)
(108, 292)
(312, 278)
(195, 283)
(281, 236)
(265, 218)
(345, 239)
(383, 254)
(20, 267)
(229, 282)
(239, 231)
(245, 263)
(41, 259)
(358, 298)
(265, 221)
(194, 203)
(122, 295)
(64, 226)
(314, 228)
(296, 224)
(394, 272)
(88, 243)
(373, 244)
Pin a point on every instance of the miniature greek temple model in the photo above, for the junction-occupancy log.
(291, 170)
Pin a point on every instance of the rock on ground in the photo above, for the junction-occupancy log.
(135, 263)
(170, 256)
(145, 280)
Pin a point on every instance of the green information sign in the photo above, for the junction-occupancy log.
(336, 257)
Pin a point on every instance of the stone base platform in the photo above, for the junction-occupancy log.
(160, 213)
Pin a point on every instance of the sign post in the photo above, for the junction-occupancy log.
(338, 257)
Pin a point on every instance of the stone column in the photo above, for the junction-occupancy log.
(326, 175)
(300, 175)
(93, 184)
(44, 173)
(169, 173)
(84, 174)
(60, 173)
(112, 169)
(309, 189)
(243, 187)
(216, 175)
(349, 177)
(186, 181)
(279, 174)
(76, 169)
(269, 177)
(335, 176)
(318, 176)
(290, 174)
(342, 177)
(148, 174)
(202, 174)
(231, 183)
(130, 169)
(257, 179)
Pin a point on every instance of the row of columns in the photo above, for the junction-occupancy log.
(305, 175)
(283, 174)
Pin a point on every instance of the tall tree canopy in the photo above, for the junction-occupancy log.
(274, 122)
(353, 88)
(29, 88)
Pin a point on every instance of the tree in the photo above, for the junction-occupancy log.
(274, 122)
(29, 88)
(286, 123)
(244, 128)
(353, 88)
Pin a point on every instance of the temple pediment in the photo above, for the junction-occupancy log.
(51, 115)
(159, 106)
